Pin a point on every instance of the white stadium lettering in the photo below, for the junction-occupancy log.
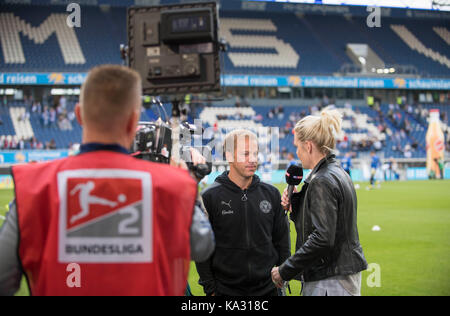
(415, 44)
(11, 26)
(286, 56)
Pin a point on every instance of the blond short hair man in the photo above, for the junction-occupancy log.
(249, 224)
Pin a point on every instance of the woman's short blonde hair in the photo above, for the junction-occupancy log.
(322, 130)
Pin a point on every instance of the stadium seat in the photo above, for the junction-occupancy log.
(260, 42)
(415, 44)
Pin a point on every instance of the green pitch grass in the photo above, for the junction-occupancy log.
(6, 197)
(412, 249)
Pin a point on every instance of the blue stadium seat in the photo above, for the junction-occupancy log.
(319, 50)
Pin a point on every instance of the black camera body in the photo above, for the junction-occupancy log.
(175, 48)
(153, 142)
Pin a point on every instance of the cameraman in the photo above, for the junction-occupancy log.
(329, 258)
(119, 219)
(202, 236)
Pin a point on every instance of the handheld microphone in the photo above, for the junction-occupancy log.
(294, 176)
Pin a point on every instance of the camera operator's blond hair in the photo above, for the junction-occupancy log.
(108, 96)
(322, 130)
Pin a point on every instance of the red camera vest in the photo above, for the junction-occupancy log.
(104, 223)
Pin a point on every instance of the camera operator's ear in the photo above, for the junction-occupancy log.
(78, 113)
(133, 121)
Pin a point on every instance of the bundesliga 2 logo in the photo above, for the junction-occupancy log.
(105, 216)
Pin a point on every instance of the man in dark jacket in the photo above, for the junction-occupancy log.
(250, 226)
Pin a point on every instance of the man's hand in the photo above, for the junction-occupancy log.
(276, 278)
(178, 163)
(196, 157)
(285, 203)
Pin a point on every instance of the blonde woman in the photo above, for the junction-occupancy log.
(329, 258)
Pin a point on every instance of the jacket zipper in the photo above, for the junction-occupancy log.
(303, 218)
(245, 199)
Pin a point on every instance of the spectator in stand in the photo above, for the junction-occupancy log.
(59, 110)
(13, 143)
(410, 109)
(64, 123)
(444, 118)
(325, 100)
(39, 145)
(52, 117)
(34, 107)
(292, 117)
(33, 143)
(63, 102)
(71, 116)
(402, 134)
(258, 118)
(407, 152)
(238, 102)
(424, 116)
(280, 112)
(289, 126)
(50, 145)
(377, 145)
(21, 144)
(45, 116)
(10, 143)
(408, 126)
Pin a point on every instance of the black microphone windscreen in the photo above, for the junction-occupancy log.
(294, 175)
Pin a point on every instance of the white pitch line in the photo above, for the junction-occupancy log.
(2, 217)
